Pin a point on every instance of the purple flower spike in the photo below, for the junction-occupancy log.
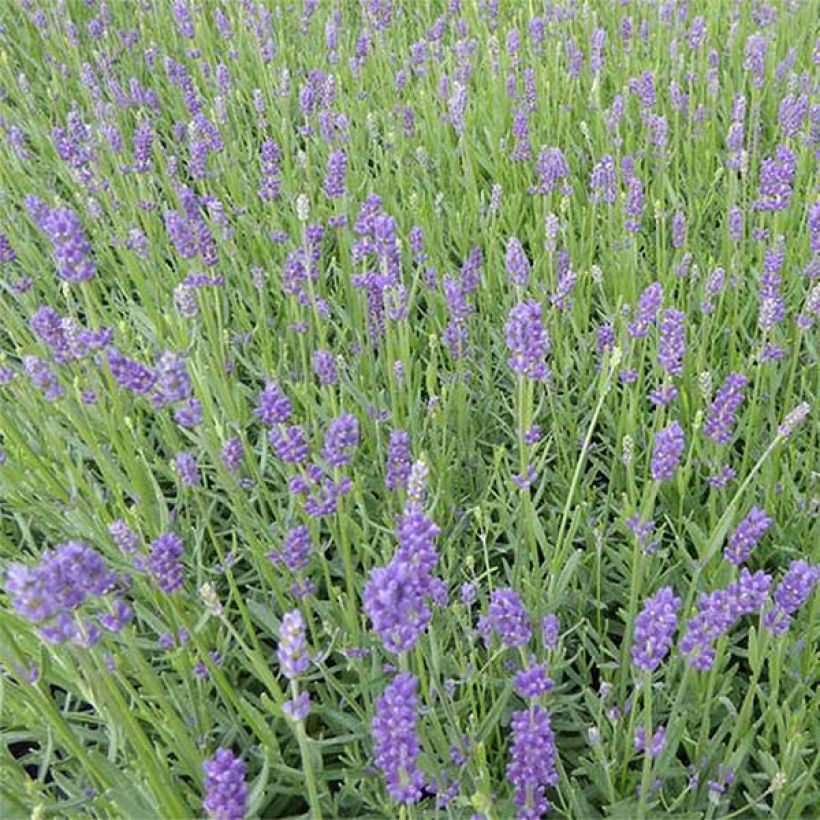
(721, 416)
(746, 536)
(654, 628)
(291, 653)
(398, 460)
(528, 341)
(794, 590)
(164, 562)
(667, 452)
(226, 793)
(341, 438)
(507, 617)
(672, 341)
(532, 765)
(396, 740)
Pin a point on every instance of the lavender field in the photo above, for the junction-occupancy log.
(408, 409)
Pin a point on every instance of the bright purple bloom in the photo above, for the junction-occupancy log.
(657, 743)
(776, 178)
(164, 562)
(794, 590)
(746, 536)
(507, 617)
(717, 613)
(528, 341)
(397, 745)
(189, 414)
(299, 707)
(396, 596)
(667, 452)
(233, 452)
(130, 374)
(226, 795)
(553, 173)
(647, 311)
(532, 765)
(721, 416)
(654, 629)
(341, 437)
(672, 341)
(518, 266)
(324, 366)
(289, 444)
(296, 549)
(334, 185)
(50, 593)
(398, 460)
(533, 681)
(71, 248)
(274, 406)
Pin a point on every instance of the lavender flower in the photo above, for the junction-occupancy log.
(672, 341)
(335, 178)
(164, 562)
(518, 266)
(71, 248)
(654, 628)
(130, 374)
(291, 653)
(226, 793)
(43, 378)
(294, 553)
(50, 593)
(647, 311)
(657, 743)
(528, 341)
(794, 590)
(187, 469)
(776, 177)
(603, 182)
(273, 406)
(717, 613)
(553, 171)
(550, 631)
(721, 416)
(533, 681)
(124, 537)
(667, 452)
(396, 740)
(793, 419)
(746, 536)
(396, 596)
(341, 437)
(289, 444)
(532, 765)
(507, 617)
(233, 452)
(398, 460)
(324, 366)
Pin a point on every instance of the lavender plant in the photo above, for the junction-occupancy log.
(408, 409)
